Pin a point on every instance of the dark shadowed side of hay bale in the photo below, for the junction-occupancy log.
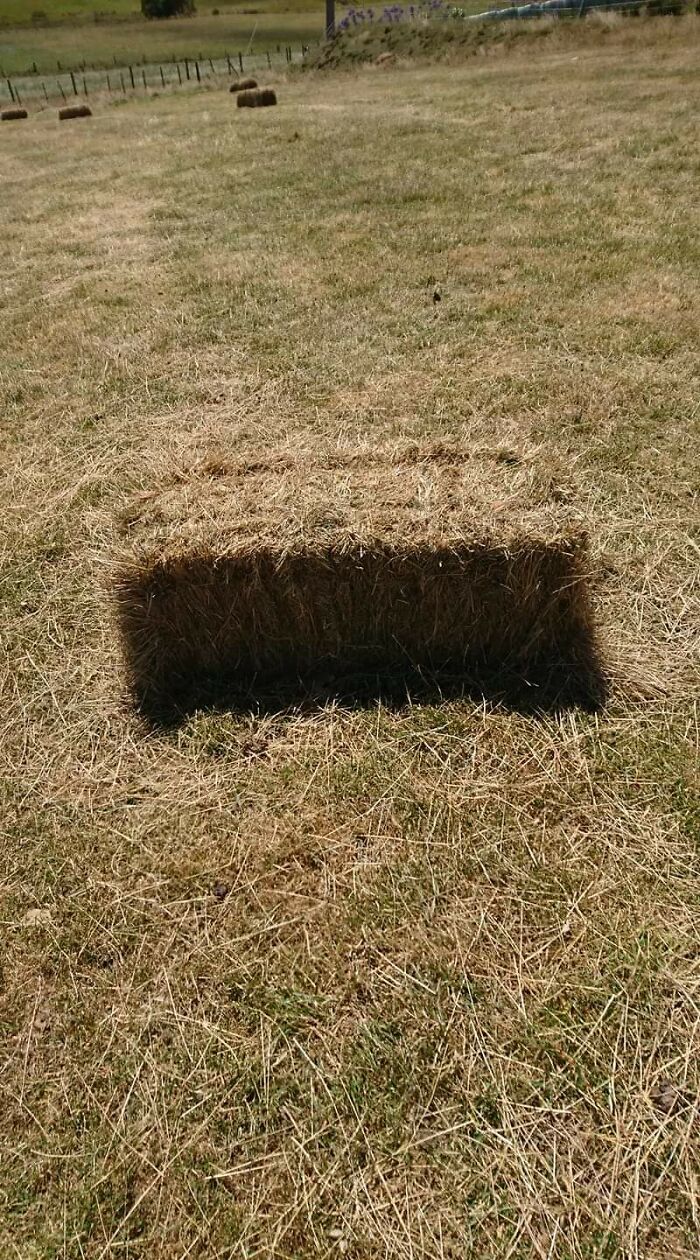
(282, 570)
(243, 85)
(74, 111)
(266, 615)
(13, 115)
(252, 100)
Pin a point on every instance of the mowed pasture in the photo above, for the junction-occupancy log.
(135, 40)
(356, 979)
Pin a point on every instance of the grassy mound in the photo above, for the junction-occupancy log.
(455, 41)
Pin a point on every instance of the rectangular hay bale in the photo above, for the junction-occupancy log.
(256, 98)
(416, 558)
(74, 111)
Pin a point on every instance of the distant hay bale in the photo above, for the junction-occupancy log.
(74, 111)
(13, 115)
(277, 567)
(243, 85)
(262, 96)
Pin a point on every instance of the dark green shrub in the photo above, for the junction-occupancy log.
(166, 8)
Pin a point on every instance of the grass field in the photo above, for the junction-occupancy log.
(122, 43)
(19, 12)
(418, 981)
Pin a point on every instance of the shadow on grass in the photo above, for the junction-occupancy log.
(544, 690)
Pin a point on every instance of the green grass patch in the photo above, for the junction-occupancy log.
(136, 41)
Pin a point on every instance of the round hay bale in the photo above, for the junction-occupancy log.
(243, 85)
(11, 115)
(263, 96)
(74, 111)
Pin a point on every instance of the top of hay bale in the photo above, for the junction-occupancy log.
(408, 494)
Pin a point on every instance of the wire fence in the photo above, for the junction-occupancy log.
(134, 79)
(131, 79)
(580, 9)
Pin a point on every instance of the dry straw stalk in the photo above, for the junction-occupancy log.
(410, 558)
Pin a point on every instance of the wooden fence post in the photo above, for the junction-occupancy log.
(131, 72)
(330, 19)
(72, 79)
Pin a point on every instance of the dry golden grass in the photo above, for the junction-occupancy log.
(375, 979)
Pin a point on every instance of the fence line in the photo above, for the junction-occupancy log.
(152, 76)
(579, 9)
(183, 70)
